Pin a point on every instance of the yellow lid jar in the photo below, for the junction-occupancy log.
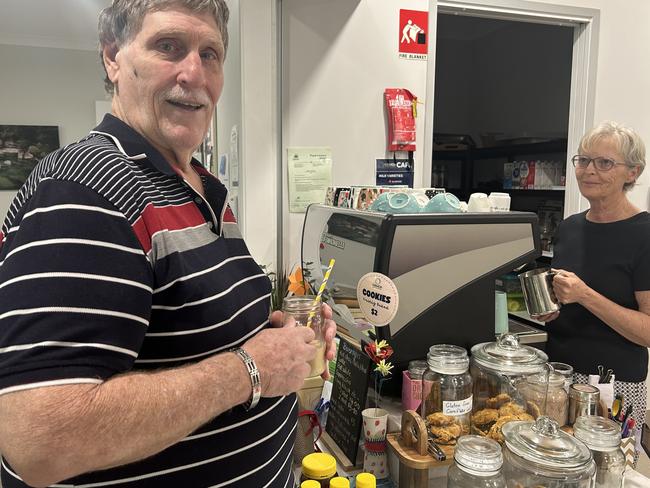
(320, 467)
(310, 484)
(340, 482)
(366, 480)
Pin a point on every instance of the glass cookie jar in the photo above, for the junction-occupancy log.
(539, 454)
(496, 369)
(603, 437)
(477, 464)
(447, 393)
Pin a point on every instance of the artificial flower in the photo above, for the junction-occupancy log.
(378, 351)
(383, 367)
(296, 282)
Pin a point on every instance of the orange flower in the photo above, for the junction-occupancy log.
(296, 282)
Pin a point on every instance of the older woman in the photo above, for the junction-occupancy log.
(603, 259)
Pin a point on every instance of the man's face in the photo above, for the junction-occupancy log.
(168, 80)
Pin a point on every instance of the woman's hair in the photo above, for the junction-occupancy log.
(629, 144)
(122, 20)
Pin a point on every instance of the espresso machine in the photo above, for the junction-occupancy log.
(444, 266)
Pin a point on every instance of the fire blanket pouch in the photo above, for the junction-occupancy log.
(401, 107)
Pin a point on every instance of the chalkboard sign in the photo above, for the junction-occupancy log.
(348, 399)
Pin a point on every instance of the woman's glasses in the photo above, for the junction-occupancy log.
(601, 164)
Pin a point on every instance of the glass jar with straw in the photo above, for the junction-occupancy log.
(300, 308)
(306, 311)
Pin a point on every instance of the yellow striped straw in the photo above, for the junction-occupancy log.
(320, 292)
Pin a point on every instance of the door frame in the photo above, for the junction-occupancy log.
(586, 25)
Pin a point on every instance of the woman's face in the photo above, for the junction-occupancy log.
(600, 185)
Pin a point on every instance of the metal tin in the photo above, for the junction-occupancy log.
(583, 400)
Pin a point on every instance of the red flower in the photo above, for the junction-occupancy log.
(378, 351)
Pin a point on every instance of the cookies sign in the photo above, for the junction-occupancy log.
(378, 298)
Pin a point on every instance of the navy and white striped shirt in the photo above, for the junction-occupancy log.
(111, 263)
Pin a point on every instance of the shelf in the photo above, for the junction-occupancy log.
(552, 188)
(524, 315)
(546, 147)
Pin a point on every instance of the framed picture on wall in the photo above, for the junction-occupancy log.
(21, 148)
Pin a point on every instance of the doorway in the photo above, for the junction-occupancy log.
(501, 112)
(572, 34)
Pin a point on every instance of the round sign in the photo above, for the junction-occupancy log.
(378, 298)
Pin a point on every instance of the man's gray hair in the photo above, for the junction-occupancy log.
(122, 20)
(628, 142)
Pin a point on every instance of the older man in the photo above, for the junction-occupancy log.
(135, 347)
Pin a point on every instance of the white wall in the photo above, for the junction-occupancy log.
(43, 86)
(230, 104)
(338, 56)
(259, 132)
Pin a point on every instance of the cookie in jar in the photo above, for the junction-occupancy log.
(447, 393)
(496, 369)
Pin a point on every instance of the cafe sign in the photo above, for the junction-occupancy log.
(378, 298)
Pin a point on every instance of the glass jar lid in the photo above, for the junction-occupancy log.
(448, 359)
(507, 356)
(477, 453)
(544, 444)
(599, 433)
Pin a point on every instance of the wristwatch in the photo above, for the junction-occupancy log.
(254, 373)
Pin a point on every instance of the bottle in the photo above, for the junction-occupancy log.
(319, 467)
(340, 482)
(366, 480)
(443, 176)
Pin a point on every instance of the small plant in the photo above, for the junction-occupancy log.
(284, 284)
(279, 287)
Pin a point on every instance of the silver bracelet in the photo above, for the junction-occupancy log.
(254, 373)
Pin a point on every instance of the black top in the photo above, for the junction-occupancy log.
(614, 260)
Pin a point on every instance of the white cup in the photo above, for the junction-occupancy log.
(478, 202)
(499, 202)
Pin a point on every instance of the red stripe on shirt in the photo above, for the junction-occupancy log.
(173, 217)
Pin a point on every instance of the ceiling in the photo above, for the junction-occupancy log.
(67, 24)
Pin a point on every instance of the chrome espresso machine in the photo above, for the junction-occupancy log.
(444, 267)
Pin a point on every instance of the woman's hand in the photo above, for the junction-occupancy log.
(568, 287)
(547, 317)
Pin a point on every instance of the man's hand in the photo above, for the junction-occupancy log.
(329, 332)
(282, 356)
(568, 287)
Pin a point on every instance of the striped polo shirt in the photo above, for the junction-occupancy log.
(110, 262)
